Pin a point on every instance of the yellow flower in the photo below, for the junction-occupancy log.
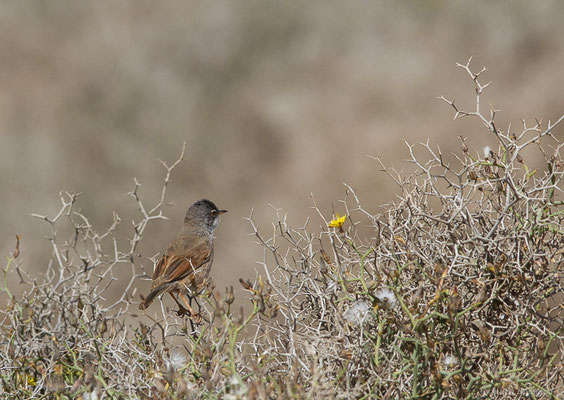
(31, 380)
(338, 221)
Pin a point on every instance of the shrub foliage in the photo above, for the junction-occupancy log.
(454, 290)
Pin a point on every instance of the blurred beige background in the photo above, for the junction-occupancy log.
(275, 100)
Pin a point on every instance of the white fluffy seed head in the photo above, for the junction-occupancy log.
(450, 361)
(176, 361)
(332, 284)
(93, 395)
(358, 313)
(386, 298)
(487, 150)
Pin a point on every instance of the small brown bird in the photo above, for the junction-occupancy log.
(186, 263)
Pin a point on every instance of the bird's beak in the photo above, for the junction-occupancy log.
(222, 212)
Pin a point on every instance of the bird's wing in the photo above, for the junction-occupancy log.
(174, 267)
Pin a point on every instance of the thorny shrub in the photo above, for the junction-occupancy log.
(455, 293)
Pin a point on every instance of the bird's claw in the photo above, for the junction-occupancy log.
(196, 317)
(182, 311)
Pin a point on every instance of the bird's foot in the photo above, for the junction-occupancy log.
(195, 317)
(182, 311)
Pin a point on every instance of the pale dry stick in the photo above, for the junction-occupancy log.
(526, 130)
(459, 205)
(544, 133)
(65, 210)
(490, 123)
(264, 244)
(96, 238)
(425, 170)
(359, 206)
(284, 299)
(122, 298)
(139, 228)
(479, 89)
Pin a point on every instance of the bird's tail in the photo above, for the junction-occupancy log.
(154, 293)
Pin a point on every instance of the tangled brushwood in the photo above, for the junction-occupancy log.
(455, 292)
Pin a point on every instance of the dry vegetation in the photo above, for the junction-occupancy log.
(456, 293)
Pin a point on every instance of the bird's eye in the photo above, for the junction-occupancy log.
(214, 212)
